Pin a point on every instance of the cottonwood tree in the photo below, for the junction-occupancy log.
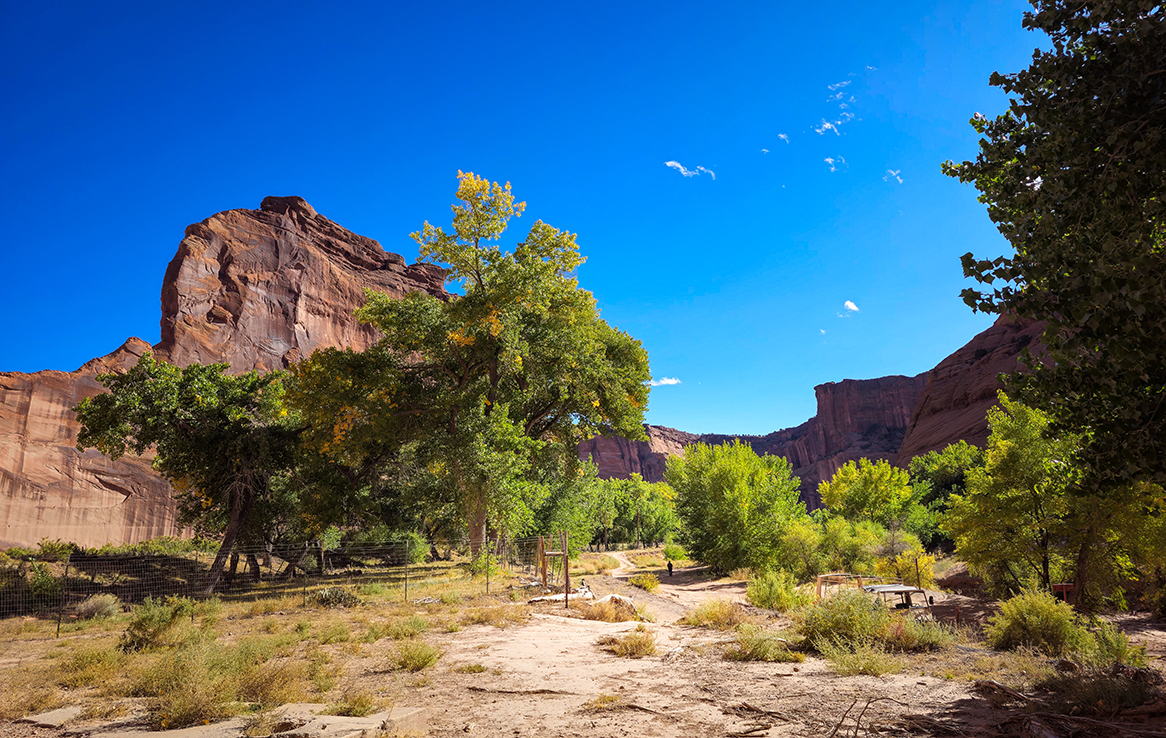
(484, 387)
(219, 439)
(1073, 175)
(736, 506)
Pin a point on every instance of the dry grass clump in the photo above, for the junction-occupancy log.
(470, 669)
(1017, 669)
(353, 704)
(646, 582)
(605, 703)
(778, 590)
(98, 607)
(407, 627)
(25, 693)
(593, 563)
(499, 616)
(715, 614)
(269, 605)
(635, 644)
(414, 655)
(336, 631)
(761, 644)
(607, 612)
(851, 659)
(92, 666)
(1098, 693)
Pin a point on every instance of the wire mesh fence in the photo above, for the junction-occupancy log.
(71, 581)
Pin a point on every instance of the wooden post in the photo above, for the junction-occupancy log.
(64, 593)
(542, 557)
(566, 574)
(918, 579)
(406, 569)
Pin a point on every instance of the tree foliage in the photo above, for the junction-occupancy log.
(486, 388)
(220, 439)
(736, 506)
(1073, 175)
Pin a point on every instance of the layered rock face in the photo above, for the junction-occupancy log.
(255, 288)
(856, 418)
(960, 390)
(261, 289)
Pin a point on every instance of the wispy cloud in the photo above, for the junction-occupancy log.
(827, 126)
(765, 151)
(664, 381)
(850, 306)
(873, 69)
(822, 331)
(893, 174)
(783, 137)
(837, 86)
(689, 172)
(835, 164)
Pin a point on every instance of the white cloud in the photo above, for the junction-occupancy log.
(765, 151)
(822, 331)
(837, 86)
(850, 306)
(835, 164)
(827, 126)
(664, 381)
(893, 174)
(871, 68)
(689, 172)
(783, 137)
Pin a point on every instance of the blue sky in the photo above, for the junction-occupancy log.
(125, 122)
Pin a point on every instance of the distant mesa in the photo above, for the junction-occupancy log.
(261, 289)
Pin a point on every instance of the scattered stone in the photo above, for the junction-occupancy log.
(53, 718)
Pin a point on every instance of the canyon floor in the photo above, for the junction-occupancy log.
(545, 674)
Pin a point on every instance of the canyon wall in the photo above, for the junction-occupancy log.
(961, 388)
(257, 289)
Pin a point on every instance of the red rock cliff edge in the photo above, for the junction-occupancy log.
(255, 288)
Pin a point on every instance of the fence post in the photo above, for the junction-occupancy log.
(566, 573)
(64, 592)
(406, 569)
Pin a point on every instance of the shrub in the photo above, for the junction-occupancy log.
(715, 614)
(336, 632)
(853, 658)
(1108, 646)
(414, 655)
(1104, 695)
(605, 611)
(1039, 621)
(913, 566)
(909, 634)
(98, 607)
(91, 667)
(335, 597)
(759, 644)
(407, 627)
(675, 552)
(646, 582)
(470, 669)
(777, 590)
(42, 585)
(355, 704)
(848, 617)
(637, 643)
(152, 623)
(499, 617)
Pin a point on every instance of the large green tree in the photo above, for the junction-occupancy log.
(220, 439)
(484, 389)
(736, 506)
(1074, 176)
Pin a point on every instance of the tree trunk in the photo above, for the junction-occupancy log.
(252, 568)
(240, 509)
(476, 514)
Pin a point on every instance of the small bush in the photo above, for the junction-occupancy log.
(605, 703)
(646, 582)
(335, 597)
(777, 590)
(759, 644)
(675, 552)
(54, 550)
(337, 632)
(604, 611)
(851, 659)
(42, 585)
(407, 627)
(1039, 621)
(470, 669)
(1098, 694)
(414, 655)
(848, 616)
(451, 597)
(908, 634)
(499, 617)
(637, 643)
(715, 614)
(98, 607)
(355, 704)
(153, 623)
(91, 667)
(1108, 646)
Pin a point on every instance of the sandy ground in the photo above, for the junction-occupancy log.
(549, 677)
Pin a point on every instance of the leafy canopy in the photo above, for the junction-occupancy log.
(1073, 175)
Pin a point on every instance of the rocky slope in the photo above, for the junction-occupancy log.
(961, 388)
(254, 288)
(856, 418)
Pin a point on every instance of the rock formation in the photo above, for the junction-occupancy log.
(954, 404)
(856, 418)
(254, 288)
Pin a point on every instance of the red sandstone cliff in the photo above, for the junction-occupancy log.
(960, 390)
(856, 418)
(255, 288)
